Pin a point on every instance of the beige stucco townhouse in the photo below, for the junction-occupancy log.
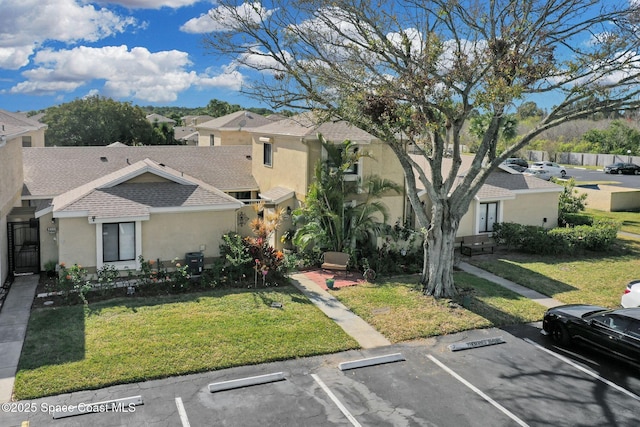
(232, 129)
(111, 205)
(286, 152)
(506, 196)
(16, 131)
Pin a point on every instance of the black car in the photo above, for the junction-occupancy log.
(627, 168)
(613, 332)
(516, 161)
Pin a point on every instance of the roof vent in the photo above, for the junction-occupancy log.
(248, 156)
(161, 164)
(103, 158)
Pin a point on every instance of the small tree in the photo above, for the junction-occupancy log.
(570, 201)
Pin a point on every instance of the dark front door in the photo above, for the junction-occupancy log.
(24, 247)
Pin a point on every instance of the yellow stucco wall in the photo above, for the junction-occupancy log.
(11, 178)
(164, 236)
(77, 240)
(532, 208)
(290, 165)
(167, 236)
(610, 198)
(48, 240)
(237, 137)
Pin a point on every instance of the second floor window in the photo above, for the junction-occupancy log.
(267, 154)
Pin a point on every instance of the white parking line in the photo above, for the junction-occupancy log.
(583, 369)
(478, 392)
(182, 413)
(339, 404)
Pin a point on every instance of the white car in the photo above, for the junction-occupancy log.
(538, 173)
(631, 296)
(553, 168)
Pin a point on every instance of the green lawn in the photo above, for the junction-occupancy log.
(630, 220)
(593, 278)
(126, 340)
(398, 309)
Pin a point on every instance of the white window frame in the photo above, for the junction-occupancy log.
(133, 264)
(480, 227)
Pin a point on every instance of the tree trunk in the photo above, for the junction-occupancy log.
(439, 247)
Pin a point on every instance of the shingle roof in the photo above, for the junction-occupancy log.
(306, 126)
(15, 123)
(113, 196)
(235, 121)
(138, 199)
(51, 171)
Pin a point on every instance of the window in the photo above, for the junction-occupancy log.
(267, 158)
(118, 242)
(26, 141)
(488, 216)
(212, 140)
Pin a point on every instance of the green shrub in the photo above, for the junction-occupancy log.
(575, 219)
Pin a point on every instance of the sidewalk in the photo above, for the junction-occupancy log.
(14, 318)
(360, 330)
(519, 289)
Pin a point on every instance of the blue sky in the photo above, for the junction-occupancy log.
(148, 52)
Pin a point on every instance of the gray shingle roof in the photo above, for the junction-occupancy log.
(306, 126)
(235, 121)
(137, 199)
(51, 171)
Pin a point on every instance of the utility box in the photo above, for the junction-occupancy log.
(194, 262)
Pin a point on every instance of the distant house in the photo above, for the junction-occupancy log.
(187, 135)
(192, 121)
(232, 129)
(29, 130)
(159, 119)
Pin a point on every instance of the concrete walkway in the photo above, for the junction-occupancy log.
(519, 289)
(353, 325)
(14, 318)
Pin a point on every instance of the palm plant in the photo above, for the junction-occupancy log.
(335, 215)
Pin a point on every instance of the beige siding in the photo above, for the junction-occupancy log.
(147, 177)
(290, 162)
(169, 236)
(11, 178)
(532, 209)
(77, 240)
(48, 240)
(611, 199)
(238, 137)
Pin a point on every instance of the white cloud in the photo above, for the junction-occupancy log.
(26, 24)
(127, 73)
(223, 19)
(154, 4)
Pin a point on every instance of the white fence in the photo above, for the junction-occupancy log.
(581, 159)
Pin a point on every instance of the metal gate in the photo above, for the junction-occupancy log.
(24, 246)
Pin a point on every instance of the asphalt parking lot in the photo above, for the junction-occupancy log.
(524, 381)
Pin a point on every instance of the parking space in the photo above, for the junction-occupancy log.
(524, 381)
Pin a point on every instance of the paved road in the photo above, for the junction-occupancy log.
(629, 181)
(522, 382)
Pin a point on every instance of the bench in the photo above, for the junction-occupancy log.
(335, 261)
(470, 245)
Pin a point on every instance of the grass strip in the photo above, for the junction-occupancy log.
(135, 339)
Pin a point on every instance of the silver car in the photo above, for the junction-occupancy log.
(553, 168)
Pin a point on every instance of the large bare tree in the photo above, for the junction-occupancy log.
(413, 71)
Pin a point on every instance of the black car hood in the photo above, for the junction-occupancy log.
(576, 310)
